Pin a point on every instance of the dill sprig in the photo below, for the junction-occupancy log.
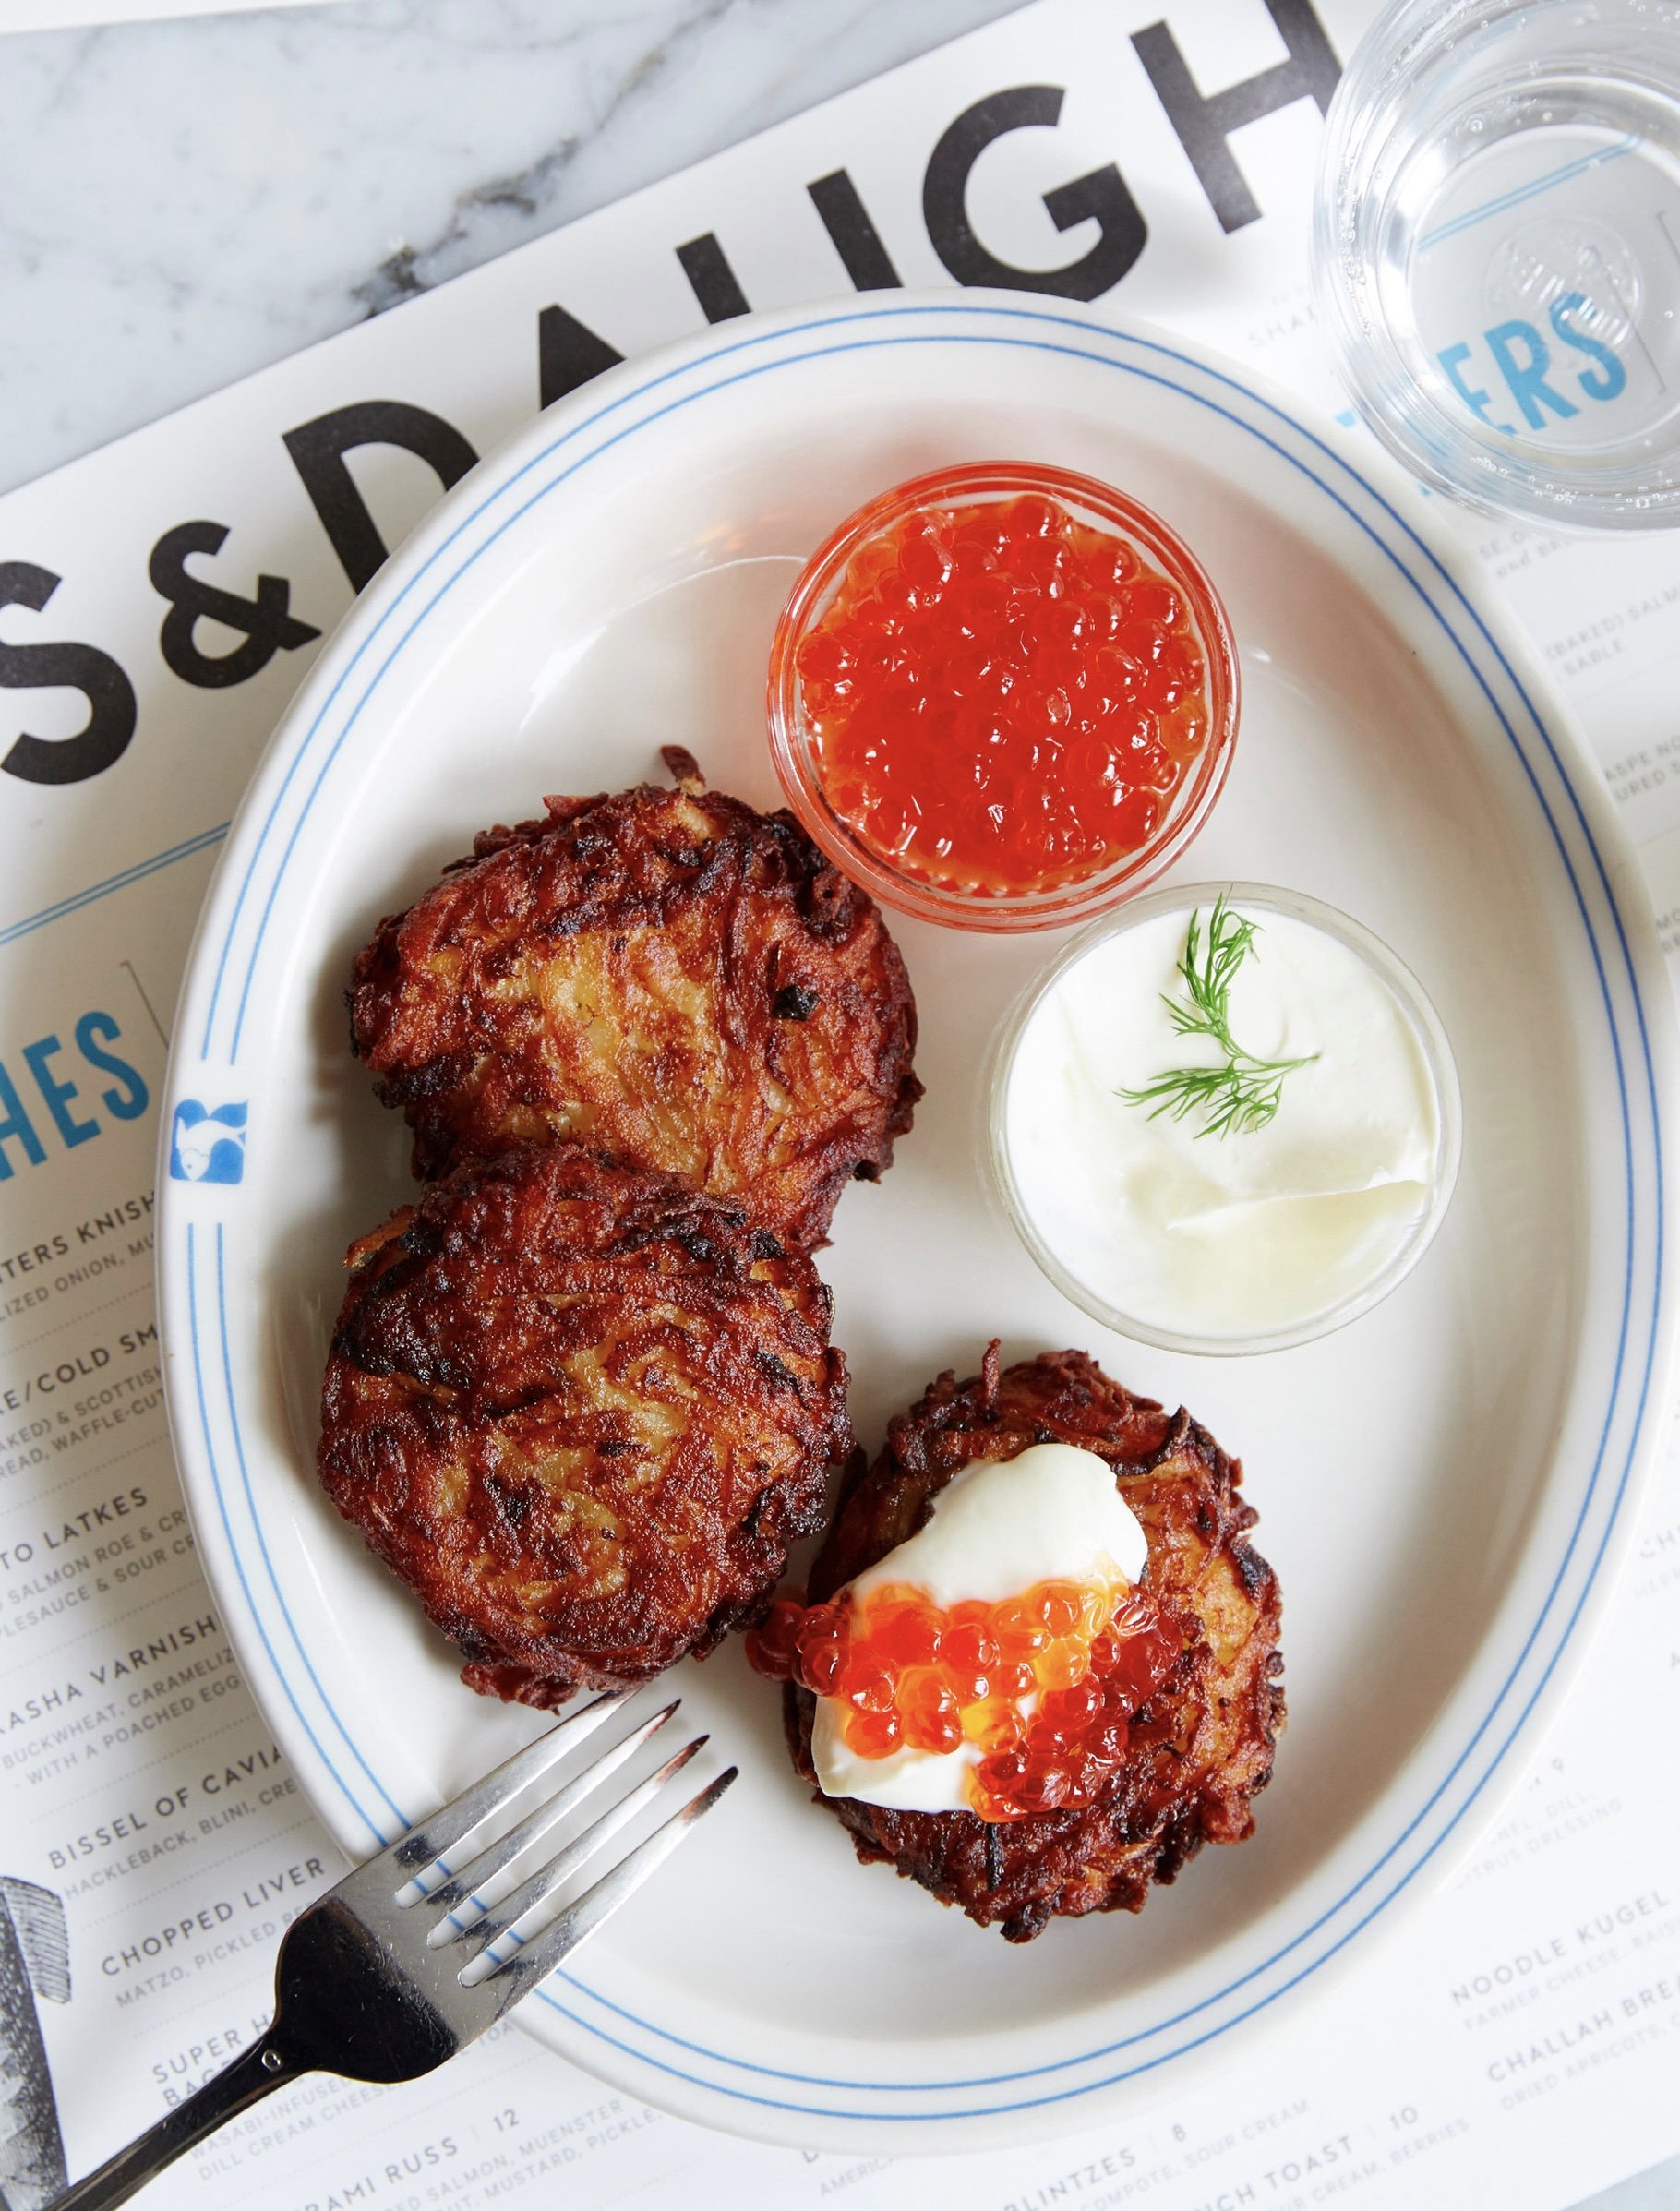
(1243, 1094)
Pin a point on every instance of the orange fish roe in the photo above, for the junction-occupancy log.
(1002, 698)
(912, 1675)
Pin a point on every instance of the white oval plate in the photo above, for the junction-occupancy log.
(1442, 1487)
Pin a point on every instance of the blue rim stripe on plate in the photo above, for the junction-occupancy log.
(285, 1610)
(1614, 1406)
(221, 1503)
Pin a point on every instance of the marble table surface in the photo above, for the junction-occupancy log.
(182, 202)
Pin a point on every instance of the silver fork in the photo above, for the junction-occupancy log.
(413, 1955)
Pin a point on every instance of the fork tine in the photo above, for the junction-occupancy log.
(535, 1959)
(508, 1911)
(479, 1872)
(430, 1838)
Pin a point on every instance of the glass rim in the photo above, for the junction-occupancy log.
(793, 753)
(1422, 1018)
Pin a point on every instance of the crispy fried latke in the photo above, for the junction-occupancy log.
(1201, 1748)
(582, 1410)
(670, 976)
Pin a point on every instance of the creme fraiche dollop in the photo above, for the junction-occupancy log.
(996, 1660)
(1051, 1517)
(1228, 1122)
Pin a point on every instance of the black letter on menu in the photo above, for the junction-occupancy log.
(856, 240)
(567, 355)
(317, 450)
(49, 667)
(712, 279)
(1100, 196)
(268, 627)
(1205, 126)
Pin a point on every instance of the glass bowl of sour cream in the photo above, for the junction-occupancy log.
(1227, 1121)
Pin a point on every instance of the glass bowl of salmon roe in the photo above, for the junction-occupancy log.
(1004, 696)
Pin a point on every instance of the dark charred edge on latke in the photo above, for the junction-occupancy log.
(1172, 1795)
(460, 1369)
(813, 948)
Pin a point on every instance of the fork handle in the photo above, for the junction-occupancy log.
(263, 2068)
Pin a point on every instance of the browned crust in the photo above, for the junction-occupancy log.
(667, 976)
(583, 1411)
(1201, 1748)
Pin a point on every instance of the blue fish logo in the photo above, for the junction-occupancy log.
(207, 1144)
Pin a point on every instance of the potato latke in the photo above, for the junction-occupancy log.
(1201, 1748)
(582, 1410)
(667, 976)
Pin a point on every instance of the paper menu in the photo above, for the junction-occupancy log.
(160, 600)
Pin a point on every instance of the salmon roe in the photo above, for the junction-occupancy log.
(1002, 699)
(912, 1675)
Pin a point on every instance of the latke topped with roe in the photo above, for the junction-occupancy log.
(1130, 1795)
